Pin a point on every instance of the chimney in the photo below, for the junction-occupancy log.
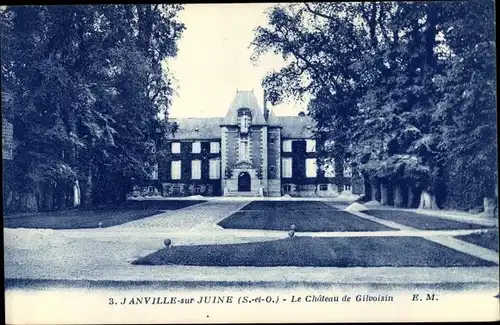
(266, 110)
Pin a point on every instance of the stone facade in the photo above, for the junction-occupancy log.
(248, 161)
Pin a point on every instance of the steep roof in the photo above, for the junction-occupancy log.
(193, 128)
(244, 99)
(294, 126)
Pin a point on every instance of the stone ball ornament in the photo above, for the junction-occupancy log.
(292, 227)
(167, 242)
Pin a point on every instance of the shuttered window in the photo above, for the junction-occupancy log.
(214, 167)
(310, 145)
(196, 147)
(330, 169)
(287, 146)
(347, 171)
(154, 172)
(286, 167)
(214, 147)
(176, 147)
(175, 169)
(311, 167)
(196, 169)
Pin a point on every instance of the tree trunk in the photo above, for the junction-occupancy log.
(47, 197)
(8, 198)
(339, 175)
(427, 201)
(411, 197)
(384, 195)
(367, 188)
(398, 195)
(375, 189)
(390, 194)
(27, 202)
(87, 190)
(489, 207)
(123, 192)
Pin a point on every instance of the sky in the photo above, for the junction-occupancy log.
(213, 61)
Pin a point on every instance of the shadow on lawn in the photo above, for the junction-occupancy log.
(103, 216)
(319, 252)
(305, 215)
(422, 221)
(487, 239)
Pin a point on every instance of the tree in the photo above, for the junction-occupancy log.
(89, 92)
(395, 89)
(467, 105)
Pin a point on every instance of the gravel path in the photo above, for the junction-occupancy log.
(105, 254)
(197, 218)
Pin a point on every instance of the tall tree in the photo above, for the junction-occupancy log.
(393, 83)
(467, 106)
(90, 87)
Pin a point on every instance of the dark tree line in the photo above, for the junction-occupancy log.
(90, 93)
(402, 91)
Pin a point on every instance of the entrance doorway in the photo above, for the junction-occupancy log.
(244, 182)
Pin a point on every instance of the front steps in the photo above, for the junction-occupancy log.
(242, 194)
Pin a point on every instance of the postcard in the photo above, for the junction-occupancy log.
(250, 163)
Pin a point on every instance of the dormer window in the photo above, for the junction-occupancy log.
(244, 119)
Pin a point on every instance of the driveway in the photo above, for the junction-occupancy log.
(106, 254)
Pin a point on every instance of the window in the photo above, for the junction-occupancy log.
(286, 167)
(347, 171)
(196, 147)
(310, 145)
(196, 169)
(244, 150)
(176, 169)
(214, 147)
(154, 172)
(244, 121)
(287, 188)
(347, 187)
(287, 146)
(329, 169)
(311, 167)
(323, 187)
(176, 147)
(214, 168)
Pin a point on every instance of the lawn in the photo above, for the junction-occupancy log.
(421, 221)
(319, 251)
(306, 216)
(110, 215)
(487, 239)
(286, 205)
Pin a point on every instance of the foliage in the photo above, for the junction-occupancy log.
(401, 90)
(89, 90)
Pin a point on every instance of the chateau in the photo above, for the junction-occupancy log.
(249, 152)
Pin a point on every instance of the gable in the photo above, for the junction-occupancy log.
(244, 99)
